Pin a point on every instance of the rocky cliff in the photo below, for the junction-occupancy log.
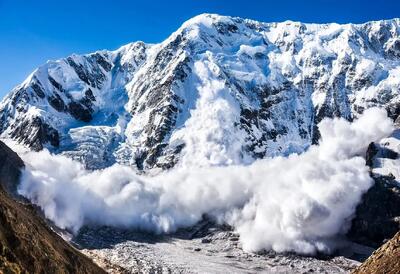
(384, 260)
(27, 244)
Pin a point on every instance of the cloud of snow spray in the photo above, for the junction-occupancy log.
(298, 203)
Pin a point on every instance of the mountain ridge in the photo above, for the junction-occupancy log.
(27, 243)
(219, 91)
(271, 82)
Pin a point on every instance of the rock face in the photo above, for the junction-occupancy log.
(384, 260)
(244, 88)
(10, 169)
(378, 215)
(27, 244)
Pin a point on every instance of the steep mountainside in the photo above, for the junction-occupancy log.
(384, 260)
(218, 91)
(27, 244)
(10, 170)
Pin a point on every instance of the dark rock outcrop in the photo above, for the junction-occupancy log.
(280, 80)
(385, 260)
(10, 169)
(36, 134)
(27, 244)
(377, 217)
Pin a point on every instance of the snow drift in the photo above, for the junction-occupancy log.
(297, 203)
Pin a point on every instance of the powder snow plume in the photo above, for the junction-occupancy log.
(297, 203)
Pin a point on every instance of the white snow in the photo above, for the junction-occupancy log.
(210, 134)
(298, 203)
(212, 70)
(302, 63)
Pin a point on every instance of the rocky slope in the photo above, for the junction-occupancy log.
(384, 260)
(10, 170)
(204, 248)
(27, 244)
(240, 88)
(377, 217)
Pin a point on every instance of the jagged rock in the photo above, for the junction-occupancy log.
(27, 244)
(377, 217)
(10, 169)
(385, 260)
(35, 134)
(278, 79)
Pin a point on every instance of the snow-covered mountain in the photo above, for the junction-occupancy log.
(219, 91)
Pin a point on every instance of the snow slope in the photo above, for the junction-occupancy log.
(219, 91)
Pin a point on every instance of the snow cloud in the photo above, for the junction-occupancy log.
(297, 203)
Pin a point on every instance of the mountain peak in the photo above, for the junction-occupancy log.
(205, 19)
(265, 85)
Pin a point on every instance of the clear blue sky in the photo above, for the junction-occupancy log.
(34, 31)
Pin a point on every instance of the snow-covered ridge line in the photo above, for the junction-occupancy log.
(205, 16)
(219, 91)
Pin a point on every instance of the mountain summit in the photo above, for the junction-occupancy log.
(219, 91)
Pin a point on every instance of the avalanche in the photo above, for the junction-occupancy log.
(297, 203)
(222, 118)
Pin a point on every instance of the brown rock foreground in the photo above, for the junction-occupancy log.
(386, 259)
(27, 244)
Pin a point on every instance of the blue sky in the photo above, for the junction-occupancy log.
(34, 31)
